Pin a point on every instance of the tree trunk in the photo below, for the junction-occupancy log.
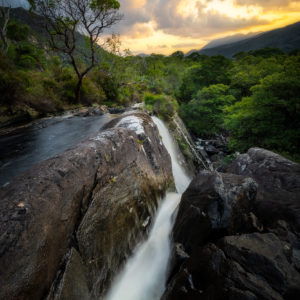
(5, 14)
(78, 89)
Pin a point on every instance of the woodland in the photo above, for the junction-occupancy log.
(251, 98)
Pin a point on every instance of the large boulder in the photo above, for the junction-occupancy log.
(214, 204)
(69, 222)
(278, 179)
(249, 266)
(236, 235)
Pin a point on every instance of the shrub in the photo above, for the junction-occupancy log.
(204, 114)
(162, 105)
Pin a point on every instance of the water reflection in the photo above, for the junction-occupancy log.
(28, 146)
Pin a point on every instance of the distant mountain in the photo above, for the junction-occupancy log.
(143, 55)
(230, 39)
(16, 3)
(286, 38)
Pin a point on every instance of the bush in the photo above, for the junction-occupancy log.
(17, 32)
(270, 117)
(204, 114)
(162, 105)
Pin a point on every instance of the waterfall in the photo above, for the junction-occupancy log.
(205, 164)
(144, 275)
(181, 178)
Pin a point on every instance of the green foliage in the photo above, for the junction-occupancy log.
(108, 85)
(253, 98)
(249, 70)
(17, 32)
(270, 116)
(204, 114)
(104, 4)
(196, 57)
(11, 87)
(267, 52)
(26, 55)
(178, 55)
(161, 105)
(212, 70)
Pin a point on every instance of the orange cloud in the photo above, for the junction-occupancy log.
(139, 30)
(179, 24)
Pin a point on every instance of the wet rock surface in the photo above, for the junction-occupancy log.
(213, 150)
(237, 235)
(90, 111)
(69, 222)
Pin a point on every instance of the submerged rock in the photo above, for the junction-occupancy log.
(69, 222)
(239, 232)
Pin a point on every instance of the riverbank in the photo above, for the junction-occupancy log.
(16, 122)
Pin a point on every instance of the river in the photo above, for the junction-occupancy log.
(144, 275)
(27, 146)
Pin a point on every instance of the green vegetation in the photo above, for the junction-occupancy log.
(258, 106)
(254, 98)
(161, 105)
(204, 113)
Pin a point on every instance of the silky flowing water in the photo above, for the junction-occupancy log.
(144, 275)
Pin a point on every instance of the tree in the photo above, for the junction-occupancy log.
(204, 114)
(270, 117)
(178, 54)
(211, 70)
(64, 19)
(4, 15)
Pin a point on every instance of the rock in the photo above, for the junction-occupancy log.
(91, 111)
(278, 185)
(246, 248)
(265, 257)
(73, 284)
(211, 150)
(249, 266)
(116, 110)
(75, 201)
(213, 204)
(188, 152)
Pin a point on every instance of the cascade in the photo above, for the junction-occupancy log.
(144, 275)
(207, 165)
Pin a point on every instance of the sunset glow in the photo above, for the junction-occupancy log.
(165, 26)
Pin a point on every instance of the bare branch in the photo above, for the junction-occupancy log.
(66, 18)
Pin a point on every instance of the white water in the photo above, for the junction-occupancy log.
(181, 178)
(144, 275)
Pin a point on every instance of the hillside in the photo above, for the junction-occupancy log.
(229, 40)
(286, 38)
(39, 33)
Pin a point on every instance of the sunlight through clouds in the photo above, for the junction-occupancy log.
(152, 23)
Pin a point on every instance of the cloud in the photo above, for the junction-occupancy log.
(202, 23)
(141, 30)
(185, 45)
(182, 18)
(183, 24)
(266, 4)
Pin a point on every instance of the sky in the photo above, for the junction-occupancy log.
(166, 26)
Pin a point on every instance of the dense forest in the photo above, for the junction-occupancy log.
(253, 98)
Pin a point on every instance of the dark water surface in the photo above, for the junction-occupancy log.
(25, 147)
